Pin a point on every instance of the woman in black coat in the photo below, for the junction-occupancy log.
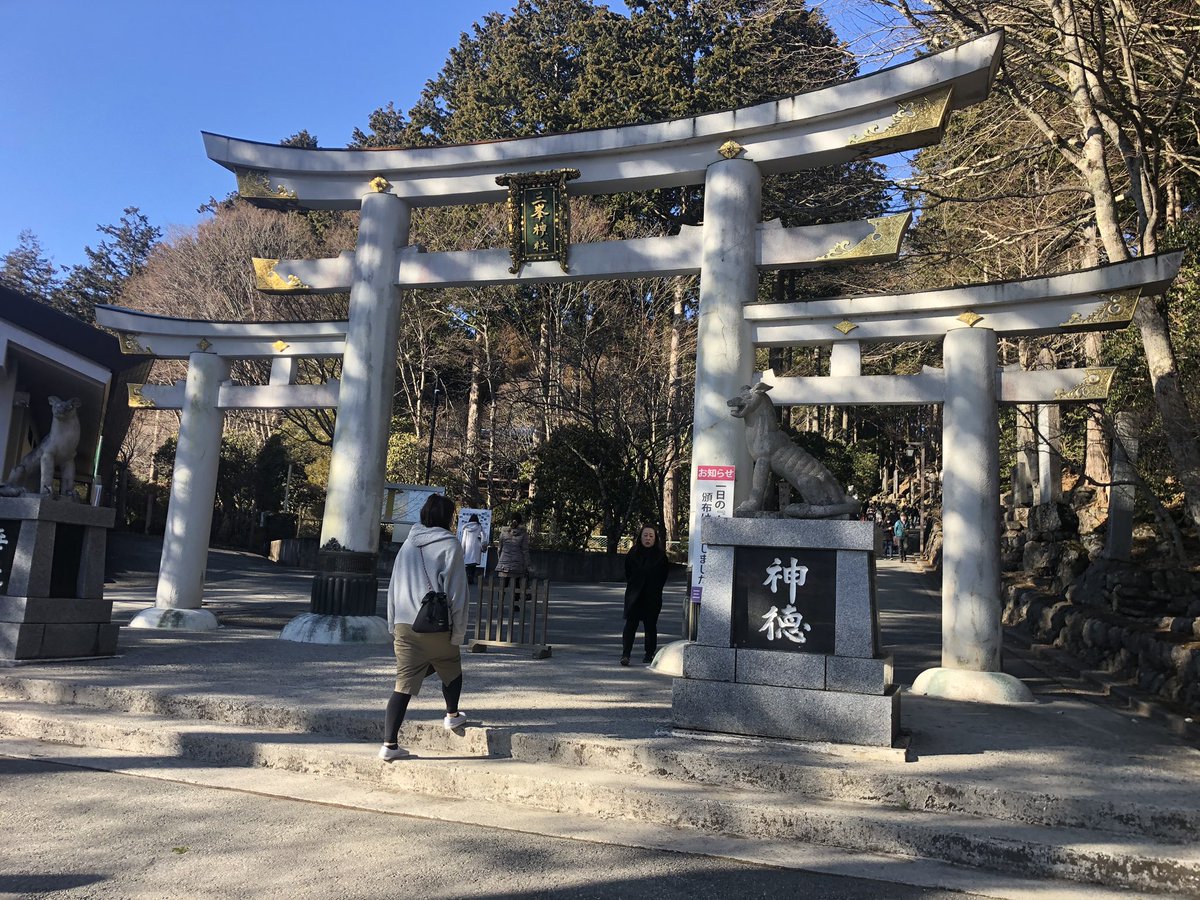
(645, 574)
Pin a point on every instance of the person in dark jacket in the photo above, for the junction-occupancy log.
(645, 574)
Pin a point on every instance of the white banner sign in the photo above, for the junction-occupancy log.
(714, 497)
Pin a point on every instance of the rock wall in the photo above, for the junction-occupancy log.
(1137, 623)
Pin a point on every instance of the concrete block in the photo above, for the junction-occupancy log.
(106, 641)
(91, 564)
(48, 509)
(790, 713)
(33, 560)
(716, 602)
(781, 668)
(69, 639)
(54, 609)
(708, 663)
(811, 534)
(857, 626)
(858, 676)
(20, 640)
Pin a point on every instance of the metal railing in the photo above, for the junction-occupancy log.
(510, 612)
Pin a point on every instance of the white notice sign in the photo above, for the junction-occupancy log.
(714, 497)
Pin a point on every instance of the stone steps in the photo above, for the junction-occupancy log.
(645, 782)
(782, 768)
(741, 764)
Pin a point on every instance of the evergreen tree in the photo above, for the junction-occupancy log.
(109, 265)
(26, 268)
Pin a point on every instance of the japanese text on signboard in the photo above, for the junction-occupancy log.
(714, 498)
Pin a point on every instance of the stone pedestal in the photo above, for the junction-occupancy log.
(342, 604)
(788, 643)
(345, 584)
(52, 602)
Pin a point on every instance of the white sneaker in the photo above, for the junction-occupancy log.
(390, 753)
(458, 720)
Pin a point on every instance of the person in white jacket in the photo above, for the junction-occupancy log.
(472, 542)
(431, 559)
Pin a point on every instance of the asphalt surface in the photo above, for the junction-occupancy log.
(1066, 746)
(75, 833)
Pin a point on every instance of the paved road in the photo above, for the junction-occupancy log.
(78, 833)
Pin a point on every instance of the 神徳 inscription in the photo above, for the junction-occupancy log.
(784, 599)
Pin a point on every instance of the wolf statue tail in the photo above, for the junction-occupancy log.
(829, 511)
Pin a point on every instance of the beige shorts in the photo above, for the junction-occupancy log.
(415, 653)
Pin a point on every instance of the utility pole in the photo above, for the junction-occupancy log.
(437, 392)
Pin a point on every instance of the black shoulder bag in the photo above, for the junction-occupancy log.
(434, 615)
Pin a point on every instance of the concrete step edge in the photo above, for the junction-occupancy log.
(779, 853)
(805, 775)
(814, 774)
(241, 711)
(1025, 850)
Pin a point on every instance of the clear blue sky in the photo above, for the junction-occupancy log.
(102, 101)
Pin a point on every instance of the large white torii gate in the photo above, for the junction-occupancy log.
(729, 152)
(895, 109)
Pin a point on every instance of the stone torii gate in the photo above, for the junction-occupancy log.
(969, 386)
(209, 348)
(729, 152)
(901, 108)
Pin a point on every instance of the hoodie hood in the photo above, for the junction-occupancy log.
(423, 536)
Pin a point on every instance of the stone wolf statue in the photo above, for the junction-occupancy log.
(774, 454)
(56, 449)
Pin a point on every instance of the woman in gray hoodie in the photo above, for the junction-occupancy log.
(431, 559)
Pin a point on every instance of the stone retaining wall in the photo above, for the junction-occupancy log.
(1138, 624)
(1102, 622)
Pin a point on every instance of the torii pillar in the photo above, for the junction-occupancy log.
(180, 591)
(728, 279)
(971, 609)
(354, 494)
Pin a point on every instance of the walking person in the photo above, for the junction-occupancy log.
(429, 561)
(900, 534)
(513, 559)
(645, 574)
(472, 543)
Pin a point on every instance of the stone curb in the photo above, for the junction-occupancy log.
(810, 777)
(1018, 849)
(242, 712)
(744, 767)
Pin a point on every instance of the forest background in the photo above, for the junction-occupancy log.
(572, 403)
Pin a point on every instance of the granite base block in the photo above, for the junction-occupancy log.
(55, 509)
(26, 641)
(856, 632)
(73, 639)
(54, 609)
(781, 712)
(858, 676)
(709, 663)
(815, 534)
(20, 641)
(781, 668)
(716, 610)
(106, 639)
